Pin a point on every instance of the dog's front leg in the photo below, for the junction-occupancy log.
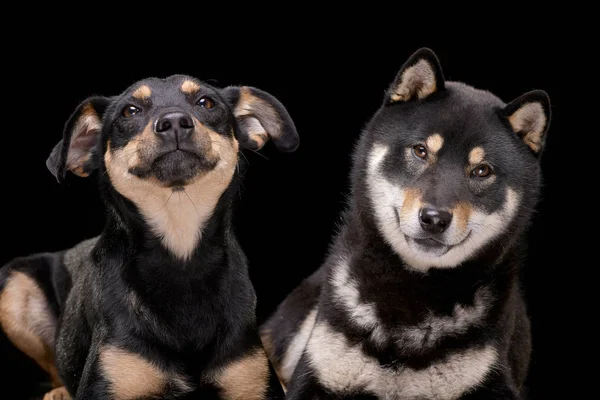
(249, 376)
(304, 385)
(91, 384)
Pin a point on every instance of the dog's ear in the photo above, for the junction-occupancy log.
(261, 116)
(419, 77)
(78, 150)
(529, 117)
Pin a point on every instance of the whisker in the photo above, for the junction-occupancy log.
(192, 201)
(164, 205)
(262, 155)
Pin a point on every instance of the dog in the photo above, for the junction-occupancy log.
(419, 296)
(160, 304)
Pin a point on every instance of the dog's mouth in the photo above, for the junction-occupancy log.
(432, 246)
(175, 168)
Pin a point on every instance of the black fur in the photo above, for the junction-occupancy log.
(190, 317)
(406, 297)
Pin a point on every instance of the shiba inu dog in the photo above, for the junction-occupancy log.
(419, 296)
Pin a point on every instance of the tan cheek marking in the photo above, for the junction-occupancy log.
(418, 79)
(245, 379)
(142, 93)
(129, 375)
(531, 120)
(412, 199)
(476, 156)
(462, 213)
(190, 87)
(27, 322)
(119, 162)
(217, 146)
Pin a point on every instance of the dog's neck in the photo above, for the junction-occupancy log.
(176, 222)
(366, 276)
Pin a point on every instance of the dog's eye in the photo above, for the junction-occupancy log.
(482, 171)
(130, 111)
(420, 151)
(206, 102)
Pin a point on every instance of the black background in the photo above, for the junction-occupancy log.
(331, 83)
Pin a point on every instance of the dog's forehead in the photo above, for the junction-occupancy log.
(460, 120)
(171, 88)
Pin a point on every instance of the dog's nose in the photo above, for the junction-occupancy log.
(175, 126)
(433, 220)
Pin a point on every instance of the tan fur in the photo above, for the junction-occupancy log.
(267, 342)
(476, 156)
(78, 170)
(88, 121)
(129, 375)
(249, 106)
(177, 218)
(531, 121)
(190, 87)
(28, 322)
(417, 80)
(412, 200)
(434, 143)
(57, 394)
(142, 93)
(462, 213)
(246, 378)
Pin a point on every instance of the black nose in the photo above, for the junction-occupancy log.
(175, 126)
(434, 221)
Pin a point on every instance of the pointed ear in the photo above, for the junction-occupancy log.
(77, 151)
(419, 77)
(529, 117)
(261, 116)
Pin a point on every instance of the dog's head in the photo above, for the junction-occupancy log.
(163, 136)
(170, 131)
(447, 168)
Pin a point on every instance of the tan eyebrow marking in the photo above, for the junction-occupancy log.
(190, 87)
(476, 156)
(143, 92)
(435, 142)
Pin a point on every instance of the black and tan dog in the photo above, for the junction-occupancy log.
(419, 297)
(160, 305)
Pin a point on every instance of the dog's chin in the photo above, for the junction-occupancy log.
(179, 168)
(428, 247)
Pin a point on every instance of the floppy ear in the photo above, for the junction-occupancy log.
(529, 117)
(419, 77)
(77, 151)
(259, 117)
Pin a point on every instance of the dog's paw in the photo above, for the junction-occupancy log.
(57, 394)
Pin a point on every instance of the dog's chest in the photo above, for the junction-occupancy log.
(345, 369)
(180, 323)
(408, 328)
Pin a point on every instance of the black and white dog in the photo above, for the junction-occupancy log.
(160, 305)
(419, 297)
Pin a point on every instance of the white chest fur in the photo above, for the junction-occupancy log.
(344, 369)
